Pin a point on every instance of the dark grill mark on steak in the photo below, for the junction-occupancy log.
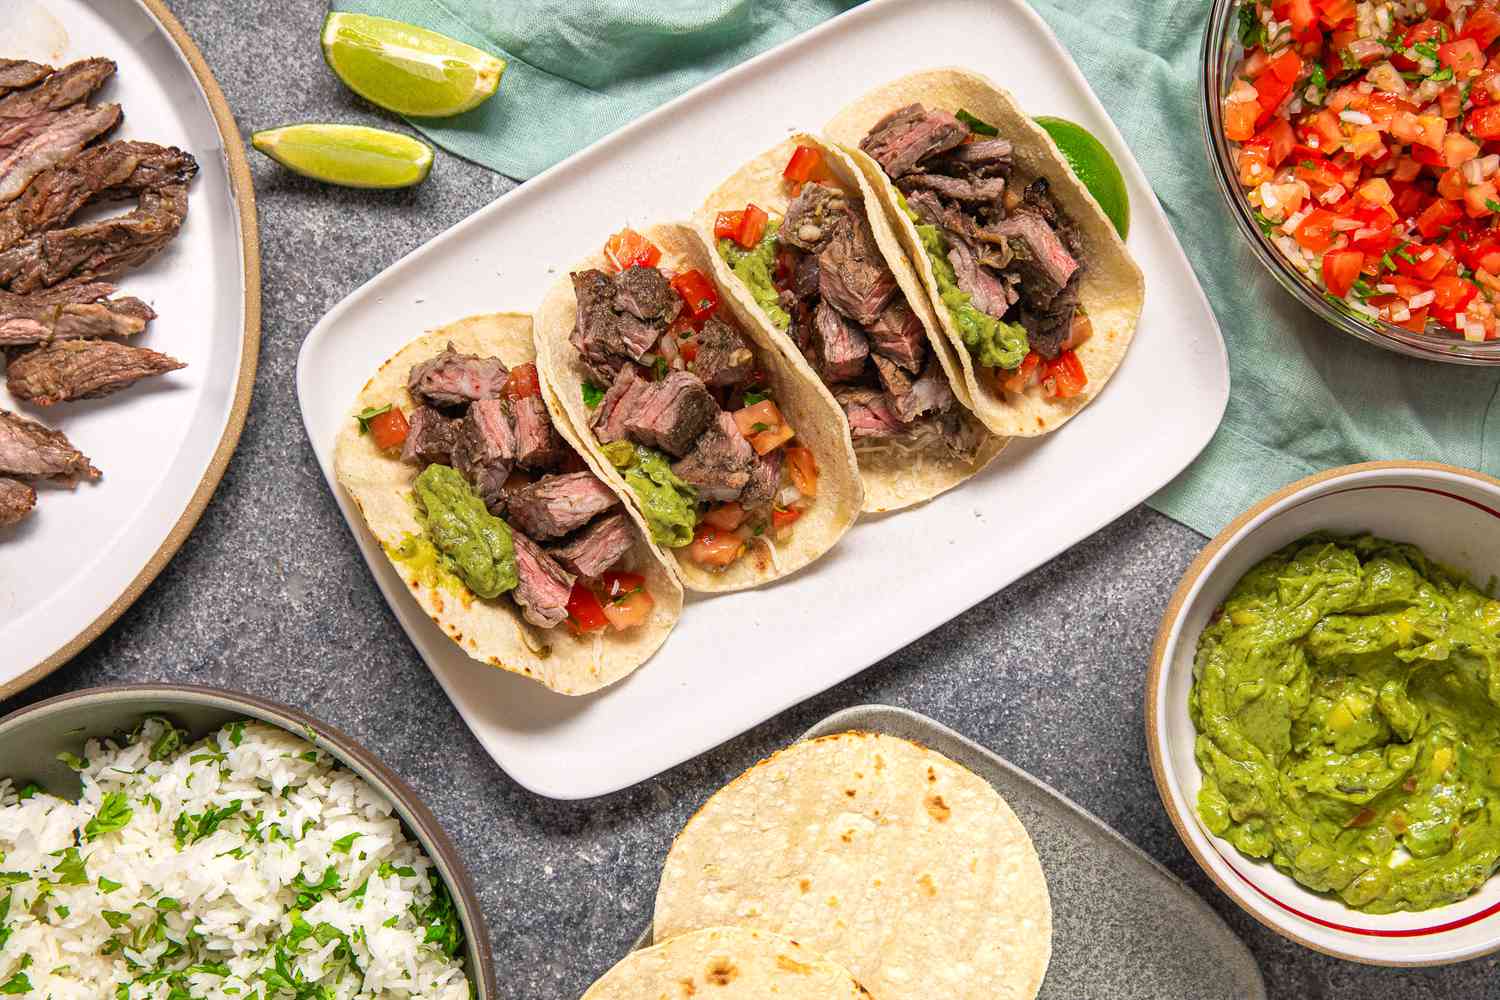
(723, 358)
(839, 347)
(906, 136)
(813, 217)
(619, 402)
(82, 369)
(981, 158)
(898, 334)
(671, 413)
(645, 293)
(805, 278)
(430, 438)
(30, 451)
(485, 451)
(542, 586)
(453, 379)
(852, 273)
(557, 505)
(63, 137)
(720, 464)
(538, 445)
(68, 86)
(16, 500)
(598, 547)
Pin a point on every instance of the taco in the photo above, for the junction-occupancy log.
(734, 456)
(1030, 282)
(476, 489)
(801, 239)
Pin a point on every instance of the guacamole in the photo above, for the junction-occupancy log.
(669, 504)
(1347, 703)
(993, 343)
(756, 269)
(474, 544)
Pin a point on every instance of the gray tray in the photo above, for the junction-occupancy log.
(1123, 927)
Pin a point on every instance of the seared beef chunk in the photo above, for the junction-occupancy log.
(17, 74)
(805, 276)
(981, 158)
(869, 413)
(555, 505)
(82, 369)
(908, 135)
(812, 218)
(619, 402)
(16, 500)
(839, 347)
(68, 86)
(644, 293)
(930, 393)
(63, 137)
(30, 451)
(723, 358)
(1040, 258)
(896, 382)
(430, 438)
(598, 547)
(608, 339)
(928, 208)
(40, 318)
(486, 450)
(671, 413)
(897, 334)
(542, 586)
(453, 379)
(1048, 327)
(765, 480)
(979, 191)
(852, 274)
(538, 445)
(720, 463)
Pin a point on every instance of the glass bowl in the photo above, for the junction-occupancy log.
(1221, 53)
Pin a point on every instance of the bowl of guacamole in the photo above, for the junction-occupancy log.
(1323, 712)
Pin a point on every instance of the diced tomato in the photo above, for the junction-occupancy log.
(1316, 231)
(752, 227)
(1421, 261)
(1239, 119)
(1299, 12)
(389, 429)
(1484, 123)
(805, 160)
(1255, 163)
(585, 613)
(1272, 90)
(617, 585)
(1279, 140)
(1424, 31)
(802, 466)
(715, 547)
(1480, 199)
(1287, 66)
(1450, 101)
(1483, 25)
(1022, 377)
(727, 224)
(1410, 199)
(1340, 269)
(763, 426)
(628, 248)
(1464, 56)
(630, 611)
(1437, 217)
(1063, 377)
(1452, 293)
(782, 517)
(1335, 12)
(689, 350)
(523, 382)
(727, 516)
(1483, 256)
(1417, 323)
(697, 293)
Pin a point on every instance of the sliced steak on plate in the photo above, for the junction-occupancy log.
(906, 136)
(621, 400)
(17, 74)
(16, 500)
(485, 450)
(598, 547)
(671, 413)
(68, 86)
(63, 137)
(765, 480)
(897, 334)
(453, 379)
(554, 506)
(30, 451)
(721, 462)
(542, 586)
(840, 348)
(723, 358)
(36, 319)
(811, 220)
(430, 438)
(538, 445)
(82, 369)
(852, 273)
(869, 413)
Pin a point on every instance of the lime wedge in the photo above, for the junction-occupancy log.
(1094, 166)
(350, 155)
(407, 69)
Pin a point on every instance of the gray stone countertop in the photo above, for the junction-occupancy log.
(269, 595)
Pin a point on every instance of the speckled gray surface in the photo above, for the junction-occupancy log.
(269, 595)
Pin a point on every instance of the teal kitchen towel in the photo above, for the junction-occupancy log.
(1305, 397)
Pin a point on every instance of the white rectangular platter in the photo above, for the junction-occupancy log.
(736, 660)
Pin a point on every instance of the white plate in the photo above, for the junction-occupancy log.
(738, 659)
(78, 561)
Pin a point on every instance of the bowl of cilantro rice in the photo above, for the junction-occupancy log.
(169, 842)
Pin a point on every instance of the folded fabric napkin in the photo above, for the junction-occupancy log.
(1304, 396)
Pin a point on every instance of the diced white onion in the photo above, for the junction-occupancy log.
(1332, 195)
(1290, 226)
(788, 495)
(1422, 299)
(1400, 315)
(1355, 118)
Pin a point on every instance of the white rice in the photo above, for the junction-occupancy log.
(169, 906)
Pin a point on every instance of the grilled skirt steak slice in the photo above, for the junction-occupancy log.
(542, 586)
(982, 158)
(16, 500)
(765, 480)
(720, 463)
(985, 289)
(598, 547)
(619, 402)
(607, 340)
(1038, 255)
(97, 250)
(429, 438)
(818, 211)
(485, 450)
(852, 273)
(14, 131)
(979, 191)
(538, 445)
(723, 358)
(82, 369)
(30, 451)
(1048, 327)
(62, 138)
(17, 74)
(869, 413)
(930, 393)
(897, 334)
(906, 136)
(840, 348)
(68, 86)
(645, 293)
(453, 379)
(554, 506)
(31, 319)
(671, 413)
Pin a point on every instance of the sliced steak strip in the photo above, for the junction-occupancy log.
(619, 402)
(17, 74)
(897, 334)
(598, 547)
(984, 287)
(723, 359)
(556, 505)
(16, 500)
(542, 586)
(671, 413)
(981, 158)
(453, 379)
(1038, 255)
(1048, 327)
(765, 480)
(68, 86)
(852, 273)
(908, 135)
(538, 445)
(485, 450)
(818, 211)
(930, 393)
(30, 451)
(978, 191)
(645, 293)
(869, 413)
(839, 347)
(82, 369)
(720, 464)
(62, 138)
(14, 131)
(430, 438)
(25, 322)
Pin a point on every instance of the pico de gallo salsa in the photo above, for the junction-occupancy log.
(1368, 146)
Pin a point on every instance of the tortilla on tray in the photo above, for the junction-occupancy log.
(887, 857)
(735, 459)
(497, 630)
(840, 294)
(726, 963)
(1055, 239)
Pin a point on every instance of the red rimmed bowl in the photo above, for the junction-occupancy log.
(1451, 514)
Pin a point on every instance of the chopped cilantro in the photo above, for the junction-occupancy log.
(592, 394)
(189, 829)
(659, 369)
(309, 893)
(168, 742)
(343, 844)
(236, 734)
(114, 812)
(752, 397)
(1492, 204)
(757, 427)
(1443, 75)
(363, 417)
(115, 918)
(16, 984)
(69, 869)
(74, 761)
(30, 791)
